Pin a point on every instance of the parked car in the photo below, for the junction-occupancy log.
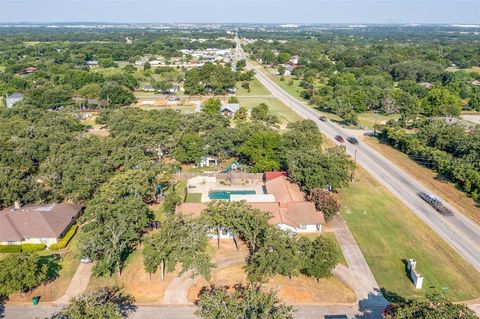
(340, 139)
(352, 140)
(322, 118)
(85, 260)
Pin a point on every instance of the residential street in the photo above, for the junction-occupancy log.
(458, 231)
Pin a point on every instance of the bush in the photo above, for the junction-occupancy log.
(62, 243)
(10, 248)
(33, 247)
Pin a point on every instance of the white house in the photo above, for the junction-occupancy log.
(229, 109)
(207, 161)
(10, 100)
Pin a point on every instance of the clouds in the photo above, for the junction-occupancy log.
(266, 11)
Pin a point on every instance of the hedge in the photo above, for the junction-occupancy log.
(33, 247)
(62, 243)
(10, 248)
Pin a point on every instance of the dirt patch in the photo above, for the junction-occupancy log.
(302, 290)
(145, 288)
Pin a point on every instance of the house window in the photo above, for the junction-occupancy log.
(224, 232)
(303, 227)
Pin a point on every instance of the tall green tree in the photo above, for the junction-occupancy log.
(178, 242)
(102, 303)
(248, 302)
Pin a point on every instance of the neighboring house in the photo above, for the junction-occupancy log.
(92, 64)
(294, 61)
(148, 88)
(29, 70)
(10, 100)
(207, 161)
(37, 224)
(282, 199)
(229, 109)
(174, 89)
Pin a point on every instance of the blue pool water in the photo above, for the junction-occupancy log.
(226, 194)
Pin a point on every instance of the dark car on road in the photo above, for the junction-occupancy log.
(435, 203)
(340, 139)
(352, 140)
(322, 118)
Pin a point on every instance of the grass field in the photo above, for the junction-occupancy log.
(367, 119)
(193, 198)
(429, 178)
(256, 88)
(388, 233)
(276, 107)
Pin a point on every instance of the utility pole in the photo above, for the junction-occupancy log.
(354, 165)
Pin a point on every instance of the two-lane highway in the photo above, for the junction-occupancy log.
(457, 230)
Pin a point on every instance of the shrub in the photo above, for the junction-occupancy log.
(10, 248)
(62, 243)
(33, 247)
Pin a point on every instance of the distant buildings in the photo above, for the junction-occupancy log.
(36, 224)
(229, 109)
(10, 100)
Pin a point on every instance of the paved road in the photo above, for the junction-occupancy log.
(458, 231)
(186, 312)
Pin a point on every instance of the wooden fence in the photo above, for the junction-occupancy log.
(229, 175)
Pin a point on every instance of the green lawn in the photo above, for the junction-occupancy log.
(256, 88)
(193, 198)
(388, 233)
(285, 114)
(368, 119)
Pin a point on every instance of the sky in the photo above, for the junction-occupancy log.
(242, 11)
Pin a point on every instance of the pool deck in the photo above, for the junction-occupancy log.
(204, 186)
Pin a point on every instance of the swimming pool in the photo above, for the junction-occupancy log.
(226, 194)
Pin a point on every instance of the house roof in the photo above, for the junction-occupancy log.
(232, 107)
(15, 96)
(284, 190)
(36, 221)
(291, 214)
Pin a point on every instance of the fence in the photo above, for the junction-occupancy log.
(229, 175)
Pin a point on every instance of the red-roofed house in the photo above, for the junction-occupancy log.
(289, 210)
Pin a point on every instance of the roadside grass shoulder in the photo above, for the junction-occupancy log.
(388, 234)
(429, 178)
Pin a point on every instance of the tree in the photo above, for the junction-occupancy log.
(283, 57)
(433, 306)
(24, 271)
(241, 64)
(441, 102)
(325, 202)
(261, 113)
(278, 254)
(302, 135)
(189, 148)
(474, 102)
(263, 150)
(212, 106)
(102, 303)
(281, 70)
(147, 66)
(314, 169)
(179, 241)
(247, 302)
(320, 257)
(116, 95)
(241, 114)
(114, 228)
(233, 99)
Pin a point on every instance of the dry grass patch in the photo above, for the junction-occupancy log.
(136, 281)
(430, 179)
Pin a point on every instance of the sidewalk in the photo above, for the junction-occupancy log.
(78, 284)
